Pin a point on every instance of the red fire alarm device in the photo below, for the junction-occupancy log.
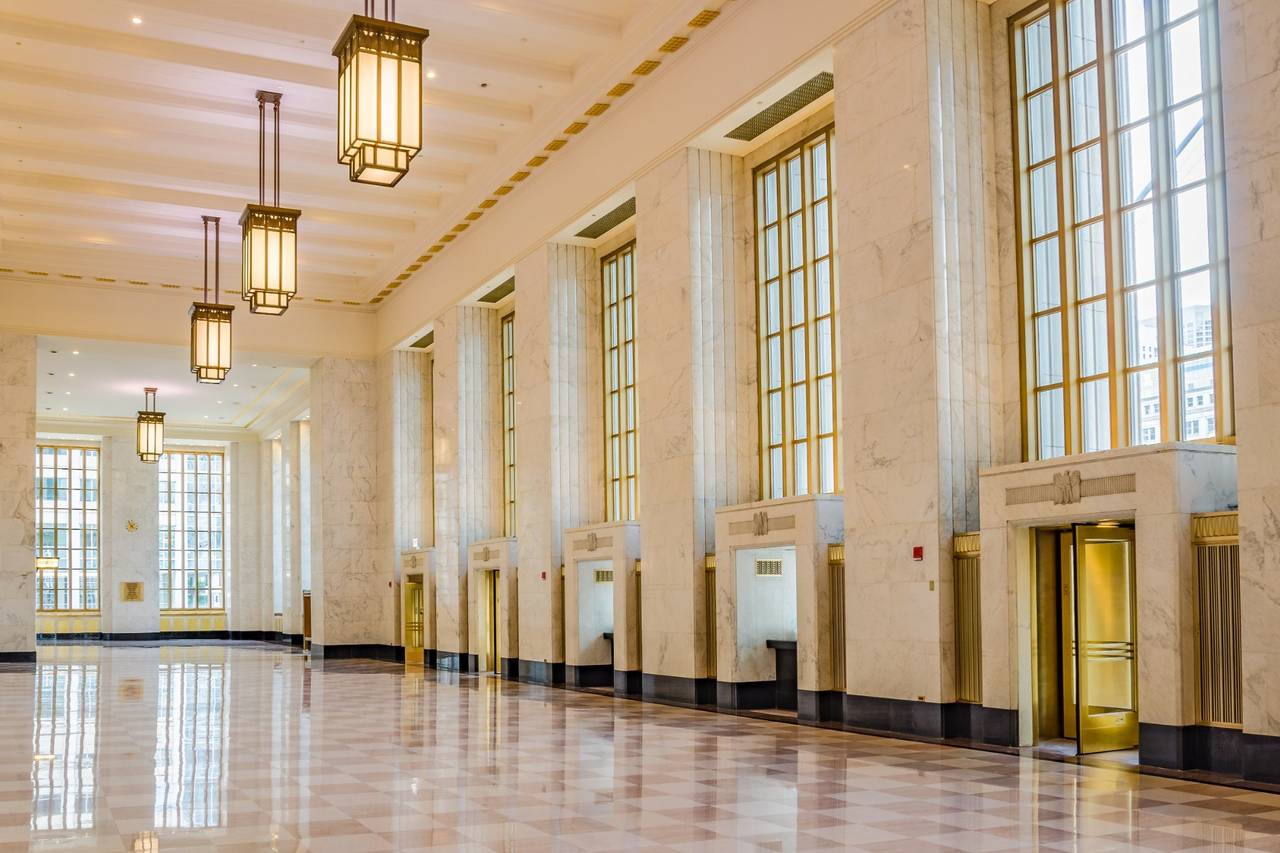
(544, 575)
(917, 553)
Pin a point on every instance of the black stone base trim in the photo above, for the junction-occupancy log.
(348, 651)
(154, 636)
(541, 672)
(67, 636)
(746, 695)
(589, 675)
(293, 639)
(894, 716)
(678, 690)
(627, 682)
(999, 727)
(18, 657)
(455, 661)
(509, 668)
(820, 706)
(1260, 758)
(1218, 750)
(429, 658)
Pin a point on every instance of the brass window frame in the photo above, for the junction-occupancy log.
(1160, 195)
(507, 335)
(65, 554)
(166, 576)
(618, 354)
(796, 479)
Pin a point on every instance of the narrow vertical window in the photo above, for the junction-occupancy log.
(509, 425)
(1123, 261)
(192, 515)
(799, 346)
(618, 281)
(67, 527)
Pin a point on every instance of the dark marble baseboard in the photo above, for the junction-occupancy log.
(18, 657)
(509, 668)
(895, 716)
(746, 695)
(67, 637)
(455, 661)
(677, 690)
(627, 683)
(1260, 758)
(589, 675)
(541, 672)
(820, 706)
(429, 658)
(293, 639)
(348, 651)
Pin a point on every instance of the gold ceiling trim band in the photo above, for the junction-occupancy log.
(672, 44)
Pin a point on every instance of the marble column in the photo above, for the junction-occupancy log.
(467, 462)
(559, 479)
(351, 589)
(916, 230)
(131, 493)
(1250, 59)
(404, 451)
(293, 498)
(249, 571)
(695, 386)
(17, 496)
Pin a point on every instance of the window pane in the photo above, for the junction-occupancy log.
(1044, 200)
(1048, 349)
(1044, 257)
(827, 464)
(1130, 20)
(1091, 261)
(1144, 407)
(1050, 423)
(1095, 403)
(1184, 61)
(1141, 330)
(1039, 55)
(799, 412)
(1195, 314)
(1138, 229)
(1188, 144)
(1087, 171)
(1082, 45)
(1135, 164)
(1084, 106)
(1040, 142)
(1177, 8)
(1192, 211)
(1197, 399)
(1093, 338)
(1132, 88)
(800, 468)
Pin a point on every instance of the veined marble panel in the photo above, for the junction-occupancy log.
(17, 492)
(130, 493)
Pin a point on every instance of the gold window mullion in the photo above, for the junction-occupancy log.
(1071, 435)
(1215, 166)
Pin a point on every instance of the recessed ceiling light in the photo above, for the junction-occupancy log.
(72, 375)
(253, 365)
(233, 385)
(431, 74)
(136, 20)
(219, 402)
(206, 417)
(75, 352)
(64, 408)
(68, 393)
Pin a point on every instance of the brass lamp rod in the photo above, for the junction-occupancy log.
(388, 9)
(217, 256)
(263, 98)
(149, 397)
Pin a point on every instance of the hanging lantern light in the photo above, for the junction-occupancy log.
(379, 95)
(150, 428)
(211, 321)
(269, 233)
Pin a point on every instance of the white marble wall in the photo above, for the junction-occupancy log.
(130, 492)
(468, 457)
(559, 479)
(249, 563)
(351, 588)
(17, 492)
(696, 374)
(1250, 59)
(590, 606)
(292, 533)
(918, 338)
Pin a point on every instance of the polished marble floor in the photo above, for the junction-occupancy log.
(249, 747)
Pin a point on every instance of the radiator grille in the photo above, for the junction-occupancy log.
(769, 568)
(604, 575)
(1217, 592)
(835, 590)
(709, 612)
(967, 565)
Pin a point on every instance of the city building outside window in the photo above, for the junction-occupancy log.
(192, 526)
(67, 515)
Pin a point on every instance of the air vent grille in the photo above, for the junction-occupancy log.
(610, 220)
(499, 293)
(604, 575)
(785, 107)
(771, 568)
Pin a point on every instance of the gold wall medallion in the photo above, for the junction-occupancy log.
(131, 526)
(131, 591)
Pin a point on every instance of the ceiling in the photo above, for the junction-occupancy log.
(81, 378)
(116, 136)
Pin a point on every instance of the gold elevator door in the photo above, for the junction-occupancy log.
(1106, 674)
(493, 610)
(413, 617)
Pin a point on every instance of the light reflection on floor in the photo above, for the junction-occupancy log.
(249, 747)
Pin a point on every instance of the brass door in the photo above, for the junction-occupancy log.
(413, 616)
(492, 609)
(1105, 631)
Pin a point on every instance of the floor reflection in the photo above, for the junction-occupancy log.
(191, 744)
(64, 765)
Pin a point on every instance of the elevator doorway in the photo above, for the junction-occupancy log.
(1085, 600)
(492, 618)
(413, 618)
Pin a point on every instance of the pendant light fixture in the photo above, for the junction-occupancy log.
(211, 321)
(269, 233)
(150, 428)
(379, 95)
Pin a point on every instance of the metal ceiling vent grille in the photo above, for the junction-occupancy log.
(425, 341)
(499, 293)
(604, 575)
(769, 568)
(785, 107)
(610, 220)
